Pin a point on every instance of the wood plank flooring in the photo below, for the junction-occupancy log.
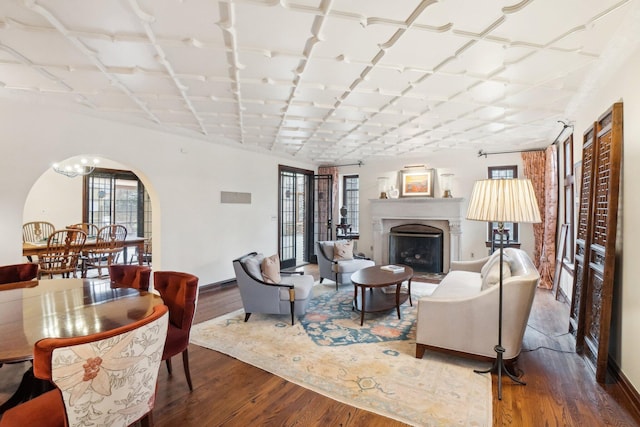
(560, 389)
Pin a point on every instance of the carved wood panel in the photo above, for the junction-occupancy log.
(591, 313)
(582, 237)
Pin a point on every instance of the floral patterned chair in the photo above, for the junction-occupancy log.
(102, 379)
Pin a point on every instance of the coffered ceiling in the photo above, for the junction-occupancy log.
(327, 81)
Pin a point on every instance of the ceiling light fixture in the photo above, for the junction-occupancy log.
(74, 168)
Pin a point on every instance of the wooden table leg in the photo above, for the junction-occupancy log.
(410, 302)
(364, 304)
(398, 286)
(354, 306)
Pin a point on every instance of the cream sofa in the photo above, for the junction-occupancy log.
(461, 315)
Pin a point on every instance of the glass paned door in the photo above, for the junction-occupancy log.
(117, 197)
(305, 203)
(288, 218)
(322, 211)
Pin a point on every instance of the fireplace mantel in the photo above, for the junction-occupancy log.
(444, 213)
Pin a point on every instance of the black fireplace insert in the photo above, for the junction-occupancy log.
(417, 245)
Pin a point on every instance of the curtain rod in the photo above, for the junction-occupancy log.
(485, 154)
(555, 141)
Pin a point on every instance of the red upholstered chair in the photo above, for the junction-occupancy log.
(18, 272)
(130, 276)
(179, 291)
(102, 379)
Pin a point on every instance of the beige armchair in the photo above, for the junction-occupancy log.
(339, 271)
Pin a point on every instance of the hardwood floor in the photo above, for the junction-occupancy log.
(560, 390)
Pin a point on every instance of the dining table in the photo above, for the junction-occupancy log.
(31, 249)
(62, 308)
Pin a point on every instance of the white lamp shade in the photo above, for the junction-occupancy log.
(503, 200)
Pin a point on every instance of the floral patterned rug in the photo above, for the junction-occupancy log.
(331, 321)
(372, 367)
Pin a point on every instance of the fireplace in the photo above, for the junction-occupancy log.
(444, 214)
(417, 245)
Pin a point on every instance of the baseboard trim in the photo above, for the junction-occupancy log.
(210, 287)
(629, 392)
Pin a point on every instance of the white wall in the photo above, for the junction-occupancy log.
(467, 168)
(623, 85)
(192, 230)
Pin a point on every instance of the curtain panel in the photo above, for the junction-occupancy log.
(541, 168)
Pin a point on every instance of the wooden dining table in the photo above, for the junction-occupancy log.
(62, 308)
(30, 249)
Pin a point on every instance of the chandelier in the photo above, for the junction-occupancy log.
(76, 167)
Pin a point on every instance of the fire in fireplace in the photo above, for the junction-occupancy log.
(417, 245)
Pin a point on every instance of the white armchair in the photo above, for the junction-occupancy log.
(461, 316)
(339, 271)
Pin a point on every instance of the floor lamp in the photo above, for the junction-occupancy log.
(503, 200)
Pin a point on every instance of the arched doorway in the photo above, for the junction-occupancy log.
(113, 193)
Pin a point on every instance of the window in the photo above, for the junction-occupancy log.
(117, 197)
(503, 172)
(351, 200)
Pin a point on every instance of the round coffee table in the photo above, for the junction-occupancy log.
(375, 278)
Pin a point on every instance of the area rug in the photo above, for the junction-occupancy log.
(372, 367)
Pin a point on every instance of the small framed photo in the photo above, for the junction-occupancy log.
(417, 183)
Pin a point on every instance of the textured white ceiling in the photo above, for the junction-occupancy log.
(327, 81)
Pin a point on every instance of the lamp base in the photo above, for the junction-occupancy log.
(499, 367)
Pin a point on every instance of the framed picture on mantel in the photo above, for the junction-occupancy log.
(417, 183)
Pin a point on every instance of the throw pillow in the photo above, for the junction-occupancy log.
(343, 250)
(492, 277)
(271, 269)
(493, 258)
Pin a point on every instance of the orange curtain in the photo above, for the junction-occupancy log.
(541, 168)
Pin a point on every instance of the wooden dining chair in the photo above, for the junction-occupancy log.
(179, 291)
(130, 276)
(18, 272)
(109, 245)
(64, 248)
(87, 227)
(36, 232)
(146, 255)
(108, 378)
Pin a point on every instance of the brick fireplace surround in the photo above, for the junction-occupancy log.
(445, 214)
